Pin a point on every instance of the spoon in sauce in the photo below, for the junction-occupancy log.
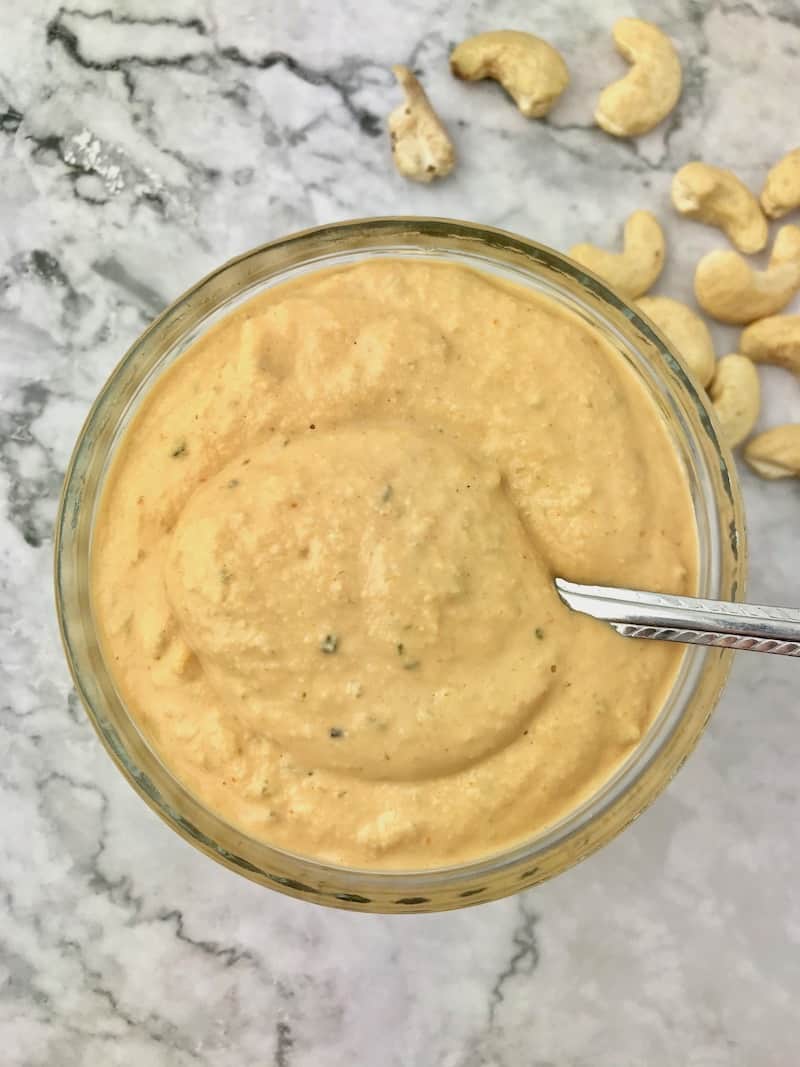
(663, 617)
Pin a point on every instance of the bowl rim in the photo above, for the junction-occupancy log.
(375, 889)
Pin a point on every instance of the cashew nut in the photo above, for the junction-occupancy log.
(736, 397)
(717, 197)
(633, 271)
(685, 331)
(776, 452)
(421, 147)
(727, 287)
(774, 340)
(650, 89)
(530, 70)
(781, 192)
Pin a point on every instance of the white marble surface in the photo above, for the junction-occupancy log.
(137, 149)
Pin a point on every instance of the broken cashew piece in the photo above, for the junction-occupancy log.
(776, 452)
(650, 89)
(421, 147)
(717, 197)
(530, 70)
(773, 340)
(727, 287)
(736, 397)
(634, 270)
(685, 331)
(781, 192)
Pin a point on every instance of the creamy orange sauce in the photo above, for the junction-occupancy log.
(323, 561)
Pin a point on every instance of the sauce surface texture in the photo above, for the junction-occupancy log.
(322, 564)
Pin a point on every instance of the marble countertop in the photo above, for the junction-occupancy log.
(143, 142)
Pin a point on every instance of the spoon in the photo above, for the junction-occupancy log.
(663, 617)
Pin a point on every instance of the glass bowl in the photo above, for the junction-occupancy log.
(718, 511)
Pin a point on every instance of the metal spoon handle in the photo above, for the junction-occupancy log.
(661, 617)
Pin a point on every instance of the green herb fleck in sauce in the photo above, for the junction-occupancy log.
(411, 665)
(336, 731)
(179, 450)
(329, 644)
(539, 633)
(387, 494)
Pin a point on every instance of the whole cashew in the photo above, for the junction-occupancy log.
(634, 270)
(774, 340)
(530, 70)
(781, 192)
(716, 196)
(775, 453)
(685, 331)
(650, 89)
(727, 287)
(421, 147)
(736, 397)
